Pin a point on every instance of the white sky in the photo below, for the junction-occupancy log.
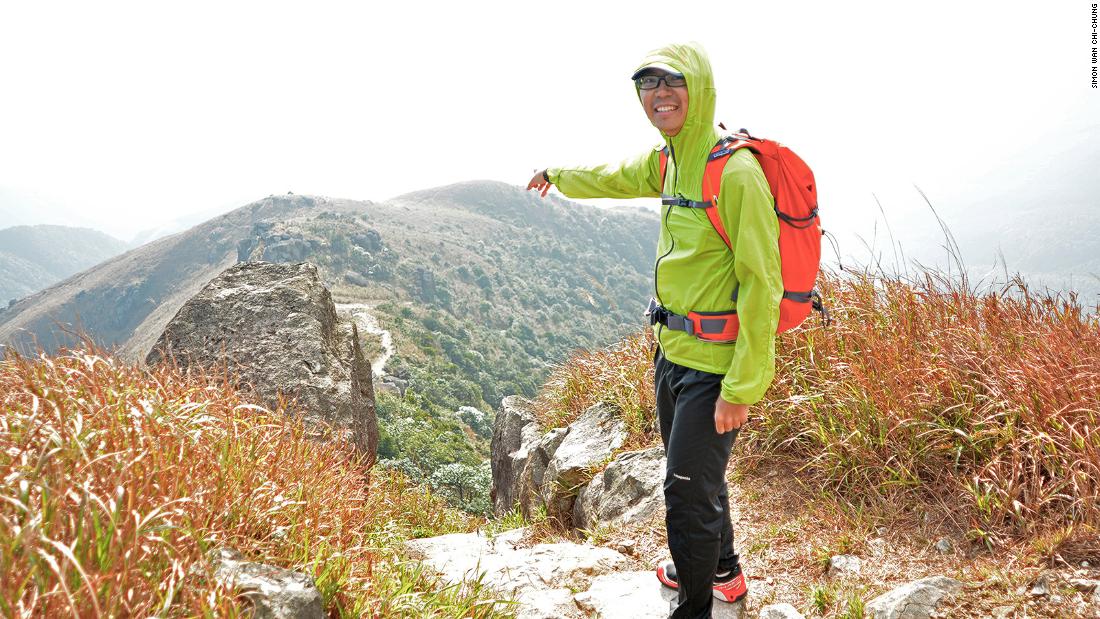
(123, 116)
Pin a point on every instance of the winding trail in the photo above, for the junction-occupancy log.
(367, 323)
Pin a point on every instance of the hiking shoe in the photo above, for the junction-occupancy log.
(729, 588)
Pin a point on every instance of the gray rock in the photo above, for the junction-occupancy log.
(274, 592)
(357, 279)
(534, 470)
(914, 600)
(276, 327)
(630, 489)
(539, 577)
(1041, 586)
(1084, 585)
(514, 430)
(290, 250)
(591, 440)
(944, 545)
(780, 611)
(877, 547)
(637, 595)
(845, 565)
(389, 388)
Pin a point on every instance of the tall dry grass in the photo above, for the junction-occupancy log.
(620, 375)
(115, 481)
(922, 391)
(926, 390)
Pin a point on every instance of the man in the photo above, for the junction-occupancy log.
(704, 388)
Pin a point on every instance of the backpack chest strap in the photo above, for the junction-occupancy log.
(668, 200)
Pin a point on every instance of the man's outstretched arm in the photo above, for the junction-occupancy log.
(634, 178)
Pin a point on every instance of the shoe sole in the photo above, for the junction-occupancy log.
(672, 584)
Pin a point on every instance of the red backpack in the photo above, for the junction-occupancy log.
(795, 192)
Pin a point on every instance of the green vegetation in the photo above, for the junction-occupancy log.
(116, 481)
(436, 448)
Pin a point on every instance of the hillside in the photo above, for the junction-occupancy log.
(34, 257)
(482, 283)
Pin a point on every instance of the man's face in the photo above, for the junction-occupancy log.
(665, 106)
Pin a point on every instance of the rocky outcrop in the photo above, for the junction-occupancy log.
(276, 327)
(590, 442)
(915, 600)
(514, 432)
(571, 471)
(273, 592)
(538, 457)
(630, 489)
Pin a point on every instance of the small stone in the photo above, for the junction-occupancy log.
(780, 611)
(1041, 586)
(769, 580)
(625, 546)
(877, 546)
(1055, 599)
(843, 565)
(1003, 612)
(943, 545)
(1084, 585)
(1084, 564)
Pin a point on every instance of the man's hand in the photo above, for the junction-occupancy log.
(729, 416)
(539, 183)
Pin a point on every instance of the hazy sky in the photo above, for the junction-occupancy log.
(123, 116)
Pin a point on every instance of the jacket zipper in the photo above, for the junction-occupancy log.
(672, 239)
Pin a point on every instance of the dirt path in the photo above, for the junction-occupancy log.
(367, 323)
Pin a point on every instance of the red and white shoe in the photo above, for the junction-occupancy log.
(729, 588)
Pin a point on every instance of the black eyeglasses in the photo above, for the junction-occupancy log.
(649, 82)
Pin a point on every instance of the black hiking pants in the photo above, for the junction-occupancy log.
(697, 518)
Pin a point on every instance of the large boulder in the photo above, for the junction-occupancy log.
(914, 600)
(275, 326)
(630, 489)
(514, 432)
(591, 440)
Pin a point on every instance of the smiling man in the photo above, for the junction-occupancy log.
(704, 385)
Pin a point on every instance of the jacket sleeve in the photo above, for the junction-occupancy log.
(632, 178)
(746, 205)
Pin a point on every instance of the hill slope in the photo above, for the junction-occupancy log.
(34, 257)
(481, 282)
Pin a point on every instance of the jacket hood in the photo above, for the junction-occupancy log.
(693, 143)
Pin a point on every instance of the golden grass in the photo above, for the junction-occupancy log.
(921, 392)
(115, 481)
(620, 375)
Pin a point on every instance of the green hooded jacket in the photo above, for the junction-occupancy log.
(694, 269)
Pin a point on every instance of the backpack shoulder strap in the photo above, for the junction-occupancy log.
(712, 185)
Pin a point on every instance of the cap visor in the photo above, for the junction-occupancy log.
(655, 66)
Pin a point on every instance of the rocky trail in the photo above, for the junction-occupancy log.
(802, 555)
(368, 324)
